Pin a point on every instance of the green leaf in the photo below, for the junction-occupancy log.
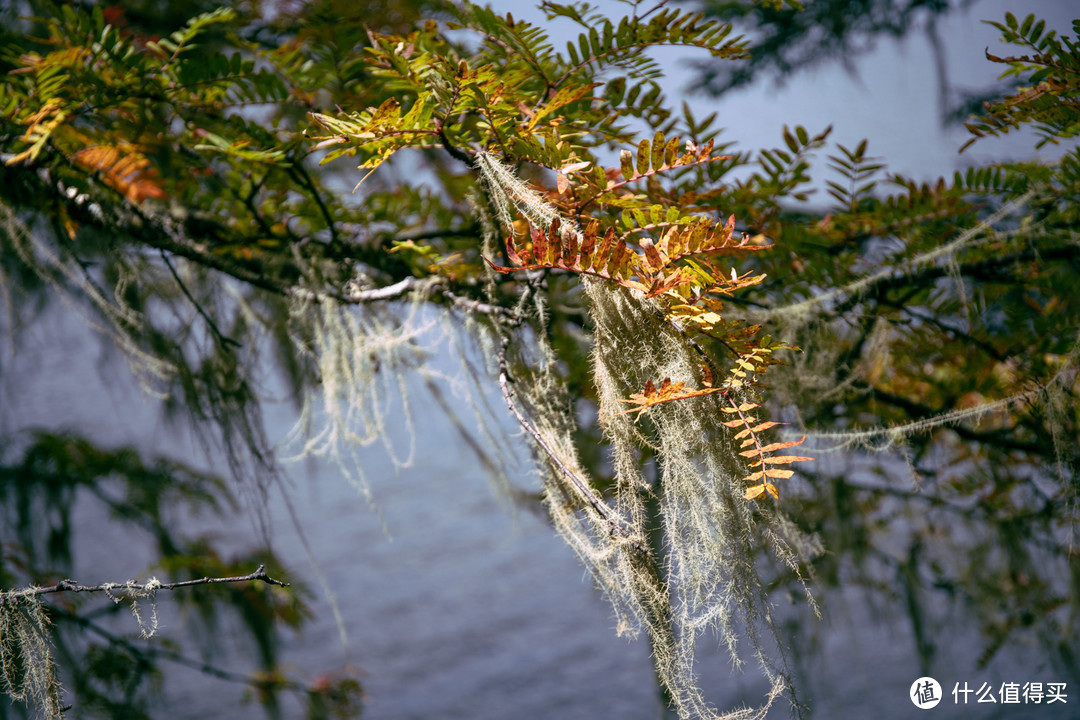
(1026, 26)
(626, 159)
(790, 141)
(659, 146)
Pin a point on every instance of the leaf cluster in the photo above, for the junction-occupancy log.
(742, 374)
(1049, 99)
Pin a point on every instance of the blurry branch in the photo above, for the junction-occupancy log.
(150, 586)
(172, 236)
(259, 681)
(999, 269)
(999, 438)
(149, 653)
(300, 173)
(222, 338)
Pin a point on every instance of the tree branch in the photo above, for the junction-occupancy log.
(1000, 439)
(152, 585)
(171, 235)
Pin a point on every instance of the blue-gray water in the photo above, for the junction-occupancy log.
(470, 607)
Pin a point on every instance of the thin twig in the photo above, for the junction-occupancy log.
(454, 151)
(471, 231)
(478, 306)
(430, 284)
(222, 338)
(72, 586)
(300, 172)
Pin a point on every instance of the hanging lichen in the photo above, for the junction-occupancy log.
(26, 657)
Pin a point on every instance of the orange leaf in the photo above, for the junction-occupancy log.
(784, 459)
(574, 167)
(782, 445)
(754, 492)
(667, 392)
(123, 168)
(652, 255)
(776, 473)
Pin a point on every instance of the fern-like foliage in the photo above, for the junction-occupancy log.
(1051, 73)
(87, 96)
(857, 169)
(759, 455)
(124, 168)
(668, 391)
(607, 43)
(478, 102)
(653, 271)
(377, 133)
(742, 373)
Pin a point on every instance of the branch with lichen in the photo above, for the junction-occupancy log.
(27, 669)
(587, 494)
(150, 586)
